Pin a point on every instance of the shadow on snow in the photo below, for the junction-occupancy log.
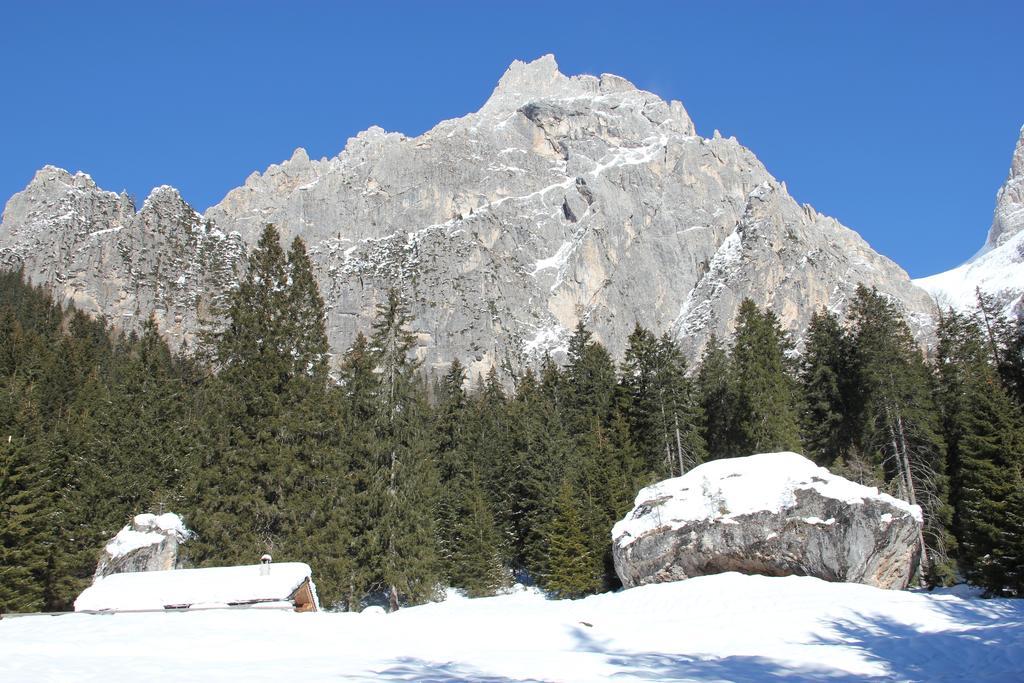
(983, 641)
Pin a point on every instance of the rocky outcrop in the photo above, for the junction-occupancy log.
(998, 268)
(562, 199)
(149, 543)
(775, 514)
(1009, 214)
(94, 249)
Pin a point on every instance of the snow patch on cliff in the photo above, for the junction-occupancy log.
(997, 271)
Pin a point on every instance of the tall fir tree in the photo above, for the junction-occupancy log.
(29, 504)
(603, 463)
(405, 481)
(542, 446)
(643, 401)
(265, 412)
(660, 405)
(350, 509)
(764, 391)
(897, 421)
(571, 570)
(716, 396)
(681, 414)
(825, 384)
(985, 438)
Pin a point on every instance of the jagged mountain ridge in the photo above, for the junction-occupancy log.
(562, 199)
(92, 247)
(998, 268)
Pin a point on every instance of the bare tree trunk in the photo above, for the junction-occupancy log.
(393, 599)
(898, 437)
(679, 447)
(989, 333)
(668, 448)
(911, 492)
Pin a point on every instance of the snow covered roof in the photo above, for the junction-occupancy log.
(731, 487)
(273, 585)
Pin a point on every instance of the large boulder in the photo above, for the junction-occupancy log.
(776, 514)
(149, 543)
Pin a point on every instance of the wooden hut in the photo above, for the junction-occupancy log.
(287, 585)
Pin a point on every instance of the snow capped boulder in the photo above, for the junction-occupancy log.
(149, 543)
(776, 514)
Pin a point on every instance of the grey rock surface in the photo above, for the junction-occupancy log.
(1009, 214)
(873, 540)
(562, 199)
(998, 268)
(149, 543)
(91, 247)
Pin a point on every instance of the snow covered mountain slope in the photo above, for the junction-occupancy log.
(562, 199)
(998, 269)
(727, 627)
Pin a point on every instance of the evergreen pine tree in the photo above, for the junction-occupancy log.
(451, 417)
(572, 571)
(1009, 552)
(603, 464)
(476, 563)
(541, 444)
(765, 396)
(681, 414)
(29, 504)
(897, 421)
(715, 392)
(643, 401)
(349, 504)
(305, 317)
(405, 484)
(825, 384)
(1011, 369)
(264, 412)
(984, 437)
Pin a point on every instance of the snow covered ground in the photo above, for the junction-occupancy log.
(718, 628)
(996, 271)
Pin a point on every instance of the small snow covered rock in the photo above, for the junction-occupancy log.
(776, 514)
(149, 543)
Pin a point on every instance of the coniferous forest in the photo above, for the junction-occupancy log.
(393, 483)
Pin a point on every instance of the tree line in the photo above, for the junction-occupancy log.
(393, 483)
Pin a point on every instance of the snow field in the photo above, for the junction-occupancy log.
(727, 627)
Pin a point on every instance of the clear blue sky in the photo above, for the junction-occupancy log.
(897, 118)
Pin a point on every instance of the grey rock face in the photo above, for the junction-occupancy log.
(813, 532)
(998, 269)
(149, 543)
(562, 199)
(1009, 215)
(91, 247)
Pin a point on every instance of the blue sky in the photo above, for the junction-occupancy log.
(899, 119)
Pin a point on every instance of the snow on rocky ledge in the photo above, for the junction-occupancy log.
(149, 543)
(776, 514)
(725, 489)
(145, 530)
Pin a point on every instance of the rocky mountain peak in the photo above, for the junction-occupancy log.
(539, 78)
(53, 179)
(998, 268)
(1009, 214)
(564, 199)
(162, 194)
